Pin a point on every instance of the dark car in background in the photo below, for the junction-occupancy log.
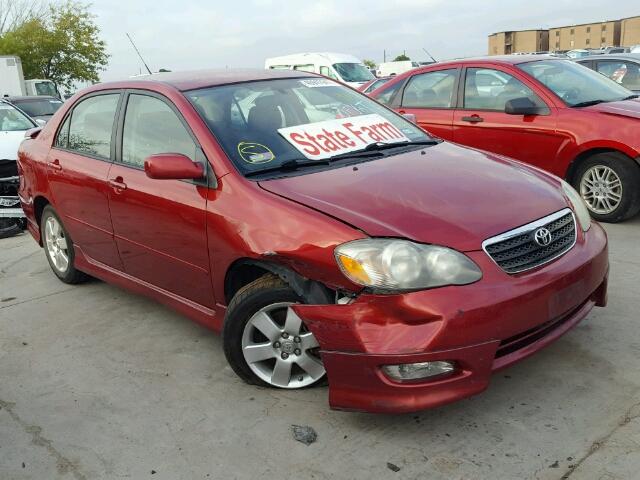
(623, 68)
(542, 110)
(41, 107)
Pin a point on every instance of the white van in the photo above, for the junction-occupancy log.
(13, 84)
(390, 69)
(339, 66)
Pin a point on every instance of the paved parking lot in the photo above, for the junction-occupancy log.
(99, 383)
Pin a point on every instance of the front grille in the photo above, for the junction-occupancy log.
(516, 251)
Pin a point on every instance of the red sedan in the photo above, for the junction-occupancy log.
(544, 111)
(319, 232)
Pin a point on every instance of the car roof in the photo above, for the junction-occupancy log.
(193, 80)
(501, 59)
(612, 56)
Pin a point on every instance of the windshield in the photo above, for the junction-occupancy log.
(264, 124)
(353, 72)
(12, 120)
(39, 107)
(46, 88)
(573, 83)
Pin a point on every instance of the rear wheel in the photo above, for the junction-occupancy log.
(265, 342)
(609, 183)
(58, 247)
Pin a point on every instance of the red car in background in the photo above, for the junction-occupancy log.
(318, 231)
(544, 111)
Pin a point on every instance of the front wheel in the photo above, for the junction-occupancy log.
(609, 183)
(265, 342)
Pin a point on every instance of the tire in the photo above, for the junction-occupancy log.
(299, 352)
(10, 227)
(622, 194)
(65, 272)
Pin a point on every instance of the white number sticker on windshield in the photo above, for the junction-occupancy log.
(317, 82)
(332, 137)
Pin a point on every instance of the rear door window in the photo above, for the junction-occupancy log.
(430, 90)
(91, 125)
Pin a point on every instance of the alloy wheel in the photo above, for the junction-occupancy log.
(279, 348)
(601, 189)
(56, 244)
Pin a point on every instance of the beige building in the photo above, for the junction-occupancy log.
(586, 35)
(504, 43)
(630, 31)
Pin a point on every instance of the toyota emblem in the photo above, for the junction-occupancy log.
(542, 237)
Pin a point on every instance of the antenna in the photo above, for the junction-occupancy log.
(425, 51)
(138, 52)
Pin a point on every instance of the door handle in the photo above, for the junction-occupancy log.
(118, 184)
(473, 119)
(55, 165)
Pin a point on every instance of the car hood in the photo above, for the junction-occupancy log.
(9, 143)
(449, 195)
(625, 108)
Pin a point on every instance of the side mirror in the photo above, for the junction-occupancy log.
(172, 166)
(522, 106)
(41, 122)
(411, 117)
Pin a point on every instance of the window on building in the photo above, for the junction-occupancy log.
(557, 44)
(557, 33)
(572, 31)
(588, 41)
(604, 41)
(604, 28)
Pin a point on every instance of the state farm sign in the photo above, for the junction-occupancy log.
(333, 137)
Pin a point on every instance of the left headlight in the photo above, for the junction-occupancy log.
(396, 265)
(579, 207)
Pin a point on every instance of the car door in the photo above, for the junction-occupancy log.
(624, 72)
(480, 120)
(430, 96)
(159, 225)
(78, 166)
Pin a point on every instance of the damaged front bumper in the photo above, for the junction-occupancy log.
(480, 328)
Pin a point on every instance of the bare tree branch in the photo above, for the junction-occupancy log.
(14, 13)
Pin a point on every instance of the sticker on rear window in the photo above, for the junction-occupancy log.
(255, 153)
(317, 82)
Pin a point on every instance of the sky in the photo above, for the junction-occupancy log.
(197, 34)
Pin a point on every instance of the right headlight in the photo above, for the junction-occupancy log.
(396, 265)
(579, 207)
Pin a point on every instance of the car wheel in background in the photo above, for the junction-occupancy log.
(265, 342)
(10, 227)
(58, 247)
(609, 183)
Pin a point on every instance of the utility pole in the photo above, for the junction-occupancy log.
(384, 56)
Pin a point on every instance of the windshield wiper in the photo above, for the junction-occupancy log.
(588, 103)
(287, 166)
(630, 97)
(374, 149)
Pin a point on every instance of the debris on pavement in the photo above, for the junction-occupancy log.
(304, 434)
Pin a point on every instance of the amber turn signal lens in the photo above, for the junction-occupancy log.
(353, 269)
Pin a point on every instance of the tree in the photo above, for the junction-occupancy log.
(14, 13)
(369, 63)
(401, 58)
(63, 47)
